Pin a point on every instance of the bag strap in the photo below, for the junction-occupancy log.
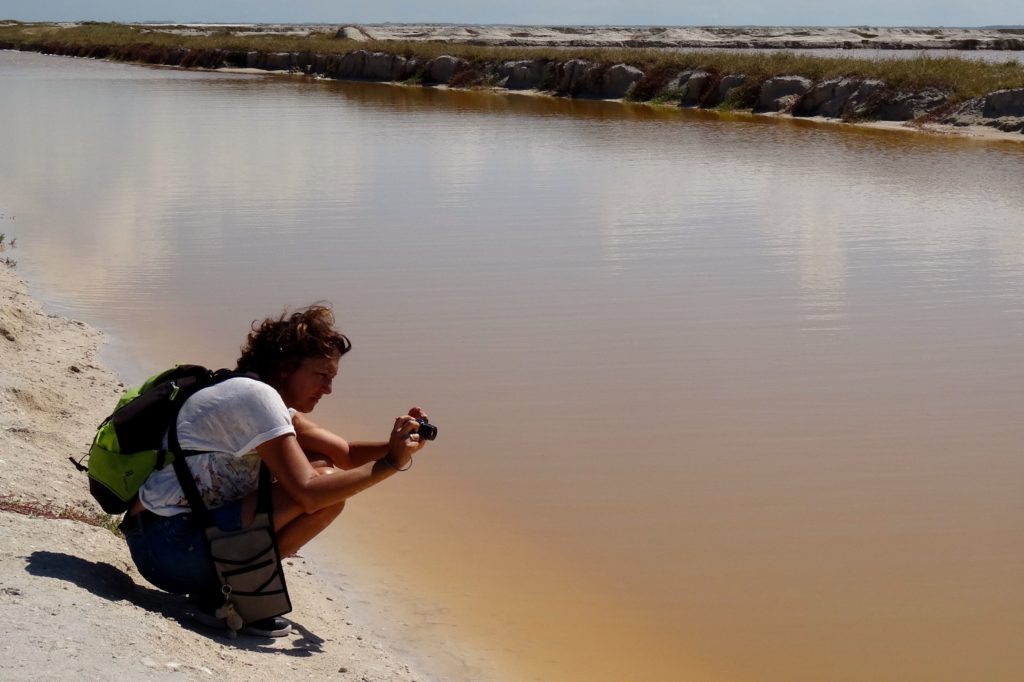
(201, 515)
(264, 501)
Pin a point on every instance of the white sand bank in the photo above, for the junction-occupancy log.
(762, 37)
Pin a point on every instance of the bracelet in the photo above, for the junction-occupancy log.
(387, 460)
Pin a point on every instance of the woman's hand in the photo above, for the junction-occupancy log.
(404, 441)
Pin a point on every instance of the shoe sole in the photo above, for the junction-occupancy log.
(255, 632)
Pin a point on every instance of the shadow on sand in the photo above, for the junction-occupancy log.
(113, 584)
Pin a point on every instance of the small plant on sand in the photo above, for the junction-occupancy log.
(742, 97)
(44, 510)
(656, 85)
(9, 262)
(668, 96)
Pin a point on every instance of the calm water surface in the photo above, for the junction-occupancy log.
(719, 399)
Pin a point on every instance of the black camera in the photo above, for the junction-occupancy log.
(427, 430)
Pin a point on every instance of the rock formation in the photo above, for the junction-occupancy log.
(845, 98)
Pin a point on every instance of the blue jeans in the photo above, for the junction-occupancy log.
(171, 553)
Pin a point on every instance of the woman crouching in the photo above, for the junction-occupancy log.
(237, 424)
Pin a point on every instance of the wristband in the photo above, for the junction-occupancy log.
(387, 460)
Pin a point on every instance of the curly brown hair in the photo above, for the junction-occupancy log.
(278, 346)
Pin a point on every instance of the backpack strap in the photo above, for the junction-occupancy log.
(201, 515)
(264, 501)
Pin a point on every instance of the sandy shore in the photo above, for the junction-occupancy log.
(73, 603)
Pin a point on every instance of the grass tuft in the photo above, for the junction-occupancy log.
(4, 245)
(743, 97)
(42, 510)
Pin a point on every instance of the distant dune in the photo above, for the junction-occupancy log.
(768, 37)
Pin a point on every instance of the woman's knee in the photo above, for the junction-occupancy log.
(328, 514)
(322, 518)
(319, 461)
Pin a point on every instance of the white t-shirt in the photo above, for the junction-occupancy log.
(226, 422)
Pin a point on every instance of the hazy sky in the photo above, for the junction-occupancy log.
(628, 12)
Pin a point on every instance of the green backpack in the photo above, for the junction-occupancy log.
(130, 444)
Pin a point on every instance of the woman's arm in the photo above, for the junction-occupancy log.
(312, 491)
(314, 438)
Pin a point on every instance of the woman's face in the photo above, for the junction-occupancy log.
(302, 388)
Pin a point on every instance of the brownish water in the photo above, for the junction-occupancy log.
(719, 399)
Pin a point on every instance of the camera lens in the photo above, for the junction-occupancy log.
(427, 430)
